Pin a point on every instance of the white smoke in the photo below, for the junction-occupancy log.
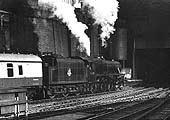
(66, 12)
(105, 13)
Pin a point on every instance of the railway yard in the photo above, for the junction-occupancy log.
(129, 103)
(84, 60)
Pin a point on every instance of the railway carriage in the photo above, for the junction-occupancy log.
(18, 70)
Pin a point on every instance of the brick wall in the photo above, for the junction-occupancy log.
(53, 36)
(60, 38)
(43, 28)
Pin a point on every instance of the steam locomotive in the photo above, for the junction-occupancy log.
(54, 76)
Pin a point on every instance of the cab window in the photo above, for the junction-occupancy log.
(10, 70)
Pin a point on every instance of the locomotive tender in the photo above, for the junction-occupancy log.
(53, 76)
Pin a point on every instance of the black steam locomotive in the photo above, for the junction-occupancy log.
(78, 75)
(53, 76)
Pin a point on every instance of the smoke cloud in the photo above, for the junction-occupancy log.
(66, 12)
(105, 14)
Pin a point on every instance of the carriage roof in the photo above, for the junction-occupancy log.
(20, 57)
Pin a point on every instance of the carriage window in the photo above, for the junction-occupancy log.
(9, 65)
(10, 69)
(20, 69)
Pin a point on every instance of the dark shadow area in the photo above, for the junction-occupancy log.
(153, 66)
(23, 39)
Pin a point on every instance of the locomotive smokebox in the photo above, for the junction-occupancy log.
(119, 44)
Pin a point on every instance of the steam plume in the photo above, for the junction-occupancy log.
(65, 12)
(105, 13)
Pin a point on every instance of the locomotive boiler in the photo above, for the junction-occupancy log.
(52, 76)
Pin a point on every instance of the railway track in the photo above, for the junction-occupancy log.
(125, 112)
(152, 109)
(78, 103)
(71, 97)
(104, 102)
(80, 96)
(159, 112)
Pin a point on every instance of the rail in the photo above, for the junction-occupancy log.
(132, 111)
(160, 111)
